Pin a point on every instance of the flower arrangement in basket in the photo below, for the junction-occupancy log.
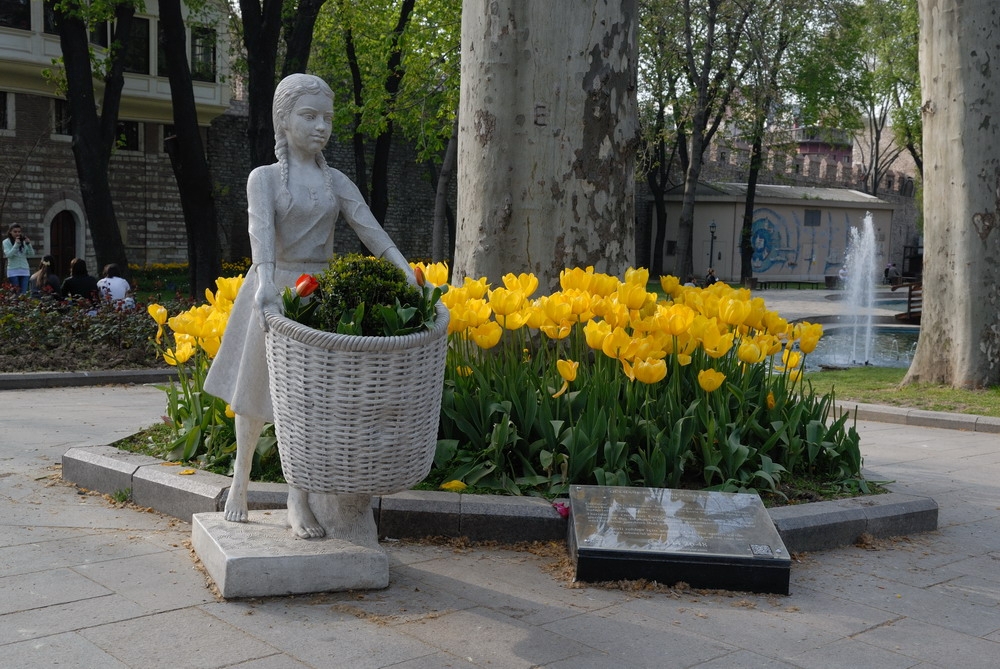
(356, 364)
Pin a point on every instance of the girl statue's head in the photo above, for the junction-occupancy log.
(287, 92)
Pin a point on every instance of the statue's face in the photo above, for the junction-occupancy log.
(309, 124)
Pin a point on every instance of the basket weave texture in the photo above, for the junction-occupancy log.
(355, 414)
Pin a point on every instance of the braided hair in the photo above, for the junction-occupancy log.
(286, 94)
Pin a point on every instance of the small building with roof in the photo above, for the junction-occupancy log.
(799, 233)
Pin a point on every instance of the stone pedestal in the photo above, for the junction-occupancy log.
(262, 558)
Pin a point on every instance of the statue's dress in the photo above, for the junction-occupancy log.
(297, 235)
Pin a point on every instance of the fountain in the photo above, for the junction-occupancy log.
(861, 277)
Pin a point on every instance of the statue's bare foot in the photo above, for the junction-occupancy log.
(300, 517)
(236, 506)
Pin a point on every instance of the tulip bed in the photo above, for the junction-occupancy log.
(602, 382)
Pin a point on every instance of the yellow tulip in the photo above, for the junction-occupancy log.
(180, 355)
(749, 352)
(579, 304)
(774, 323)
(535, 315)
(513, 321)
(755, 318)
(595, 332)
(795, 375)
(733, 311)
(453, 486)
(476, 289)
(710, 379)
(616, 313)
(770, 401)
(557, 308)
(791, 359)
(454, 297)
(677, 319)
(632, 295)
(229, 412)
(477, 312)
(504, 301)
(721, 348)
(616, 344)
(228, 288)
(557, 330)
(576, 278)
(464, 370)
(671, 285)
(487, 335)
(650, 370)
(602, 285)
(567, 369)
(158, 314)
(526, 284)
(210, 345)
(638, 277)
(437, 273)
(808, 335)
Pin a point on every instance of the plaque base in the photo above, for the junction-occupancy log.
(705, 539)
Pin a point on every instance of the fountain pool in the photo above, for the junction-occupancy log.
(888, 347)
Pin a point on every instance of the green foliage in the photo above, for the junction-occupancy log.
(356, 286)
(52, 333)
(425, 106)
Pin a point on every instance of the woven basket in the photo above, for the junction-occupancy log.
(355, 414)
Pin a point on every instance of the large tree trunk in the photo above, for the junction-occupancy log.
(746, 229)
(383, 143)
(960, 330)
(443, 220)
(547, 137)
(93, 135)
(187, 157)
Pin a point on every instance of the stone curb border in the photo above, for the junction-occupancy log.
(183, 492)
(415, 514)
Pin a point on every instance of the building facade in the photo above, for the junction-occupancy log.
(38, 178)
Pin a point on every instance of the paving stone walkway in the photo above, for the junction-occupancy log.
(85, 584)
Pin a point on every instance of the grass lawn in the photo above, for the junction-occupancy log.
(880, 385)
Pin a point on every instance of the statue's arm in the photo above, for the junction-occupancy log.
(359, 216)
(260, 210)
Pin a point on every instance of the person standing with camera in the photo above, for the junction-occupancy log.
(16, 249)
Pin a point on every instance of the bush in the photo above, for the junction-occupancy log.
(354, 281)
(52, 334)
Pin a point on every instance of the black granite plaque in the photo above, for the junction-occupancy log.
(705, 539)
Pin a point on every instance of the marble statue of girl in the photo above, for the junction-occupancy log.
(293, 206)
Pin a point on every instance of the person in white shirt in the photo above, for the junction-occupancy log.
(115, 289)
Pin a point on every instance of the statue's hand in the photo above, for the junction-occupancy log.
(265, 300)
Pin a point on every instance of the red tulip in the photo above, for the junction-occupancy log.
(419, 274)
(305, 285)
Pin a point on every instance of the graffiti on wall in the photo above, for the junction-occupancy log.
(784, 245)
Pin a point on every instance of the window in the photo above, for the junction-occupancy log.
(723, 157)
(6, 117)
(137, 54)
(203, 54)
(813, 218)
(15, 14)
(62, 122)
(128, 136)
(49, 24)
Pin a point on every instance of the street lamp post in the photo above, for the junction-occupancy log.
(712, 227)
